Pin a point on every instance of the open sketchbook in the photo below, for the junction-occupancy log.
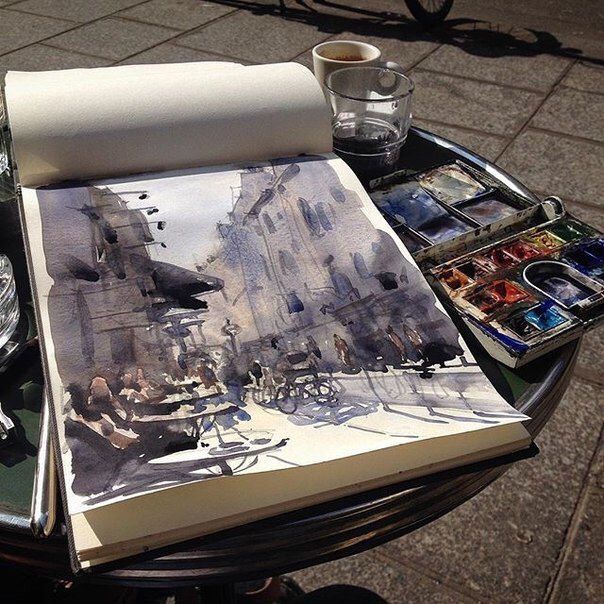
(223, 343)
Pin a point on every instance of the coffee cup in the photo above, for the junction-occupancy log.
(337, 54)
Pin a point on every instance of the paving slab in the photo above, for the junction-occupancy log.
(559, 27)
(557, 165)
(18, 29)
(255, 38)
(585, 76)
(180, 14)
(74, 10)
(488, 63)
(591, 215)
(487, 145)
(573, 112)
(586, 13)
(40, 58)
(591, 362)
(596, 472)
(458, 102)
(383, 18)
(503, 544)
(581, 577)
(170, 53)
(112, 38)
(305, 59)
(374, 9)
(392, 582)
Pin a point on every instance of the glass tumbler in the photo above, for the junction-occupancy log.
(7, 188)
(3, 143)
(371, 116)
(9, 303)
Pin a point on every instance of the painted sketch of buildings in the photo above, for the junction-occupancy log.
(208, 322)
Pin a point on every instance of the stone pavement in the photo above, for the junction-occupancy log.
(523, 84)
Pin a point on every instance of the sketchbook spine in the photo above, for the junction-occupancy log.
(73, 558)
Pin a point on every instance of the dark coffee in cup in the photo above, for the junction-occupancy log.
(346, 58)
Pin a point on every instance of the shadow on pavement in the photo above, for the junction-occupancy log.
(476, 37)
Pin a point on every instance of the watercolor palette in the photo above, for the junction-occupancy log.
(526, 294)
(526, 277)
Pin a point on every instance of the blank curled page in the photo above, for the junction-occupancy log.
(91, 123)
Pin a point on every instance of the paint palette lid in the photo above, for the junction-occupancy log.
(446, 205)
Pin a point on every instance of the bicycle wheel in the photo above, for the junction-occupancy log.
(429, 12)
(285, 399)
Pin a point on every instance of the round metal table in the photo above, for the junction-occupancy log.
(314, 534)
